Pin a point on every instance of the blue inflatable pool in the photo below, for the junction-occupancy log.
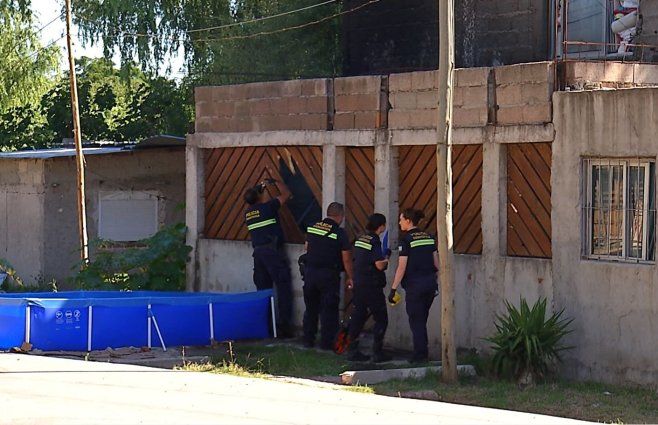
(96, 320)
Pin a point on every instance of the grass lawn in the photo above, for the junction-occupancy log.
(588, 401)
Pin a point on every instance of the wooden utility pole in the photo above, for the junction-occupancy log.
(444, 190)
(77, 137)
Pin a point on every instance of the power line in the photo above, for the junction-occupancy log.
(265, 18)
(241, 37)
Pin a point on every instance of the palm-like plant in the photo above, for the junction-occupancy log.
(526, 343)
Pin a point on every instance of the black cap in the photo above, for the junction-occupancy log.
(251, 196)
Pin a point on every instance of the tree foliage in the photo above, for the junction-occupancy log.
(152, 30)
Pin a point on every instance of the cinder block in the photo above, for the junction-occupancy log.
(526, 72)
(524, 114)
(315, 121)
(471, 96)
(645, 74)
(238, 92)
(344, 121)
(315, 87)
(509, 94)
(403, 100)
(421, 118)
(260, 107)
(242, 109)
(221, 124)
(427, 99)
(221, 93)
(357, 102)
(224, 108)
(205, 109)
(357, 85)
(203, 94)
(291, 122)
(317, 105)
(242, 125)
(367, 120)
(203, 124)
(291, 88)
(296, 105)
(470, 117)
(468, 77)
(399, 82)
(424, 80)
(279, 106)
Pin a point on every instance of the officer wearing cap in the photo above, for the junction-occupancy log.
(370, 261)
(328, 252)
(271, 266)
(417, 267)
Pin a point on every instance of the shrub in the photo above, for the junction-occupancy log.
(10, 281)
(527, 345)
(158, 264)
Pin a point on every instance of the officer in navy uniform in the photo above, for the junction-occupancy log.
(369, 281)
(270, 261)
(417, 272)
(328, 252)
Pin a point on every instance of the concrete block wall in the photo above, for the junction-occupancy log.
(523, 93)
(601, 75)
(414, 99)
(471, 98)
(360, 102)
(267, 106)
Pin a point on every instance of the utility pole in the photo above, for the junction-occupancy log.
(444, 190)
(77, 137)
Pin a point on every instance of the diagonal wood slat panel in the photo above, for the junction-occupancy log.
(418, 190)
(359, 188)
(529, 200)
(231, 171)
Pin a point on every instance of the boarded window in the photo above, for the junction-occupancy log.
(418, 190)
(359, 188)
(529, 200)
(126, 216)
(231, 171)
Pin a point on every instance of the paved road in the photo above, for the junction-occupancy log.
(43, 390)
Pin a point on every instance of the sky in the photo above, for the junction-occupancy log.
(47, 10)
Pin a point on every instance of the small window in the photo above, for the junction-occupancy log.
(620, 209)
(127, 216)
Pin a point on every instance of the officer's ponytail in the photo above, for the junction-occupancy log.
(375, 221)
(414, 215)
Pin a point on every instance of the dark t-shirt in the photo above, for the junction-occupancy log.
(419, 248)
(367, 251)
(263, 223)
(326, 241)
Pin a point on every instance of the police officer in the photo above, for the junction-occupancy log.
(369, 281)
(270, 262)
(417, 268)
(328, 252)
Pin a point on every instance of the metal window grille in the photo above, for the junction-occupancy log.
(619, 209)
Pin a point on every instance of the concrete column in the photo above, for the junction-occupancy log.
(494, 199)
(333, 175)
(194, 210)
(387, 184)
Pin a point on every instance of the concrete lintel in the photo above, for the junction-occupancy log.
(285, 138)
(370, 377)
(475, 135)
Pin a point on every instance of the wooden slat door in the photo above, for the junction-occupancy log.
(359, 188)
(529, 200)
(231, 171)
(418, 190)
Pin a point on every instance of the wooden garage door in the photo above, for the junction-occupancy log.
(359, 188)
(231, 171)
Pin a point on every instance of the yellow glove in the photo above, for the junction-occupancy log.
(394, 297)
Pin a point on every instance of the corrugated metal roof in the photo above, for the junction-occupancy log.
(60, 152)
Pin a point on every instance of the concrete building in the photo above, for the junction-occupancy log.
(131, 192)
(554, 190)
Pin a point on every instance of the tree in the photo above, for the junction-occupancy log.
(27, 67)
(118, 104)
(164, 26)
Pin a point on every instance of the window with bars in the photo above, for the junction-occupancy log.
(620, 209)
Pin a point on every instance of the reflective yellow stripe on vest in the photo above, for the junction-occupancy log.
(260, 224)
(421, 242)
(320, 232)
(363, 245)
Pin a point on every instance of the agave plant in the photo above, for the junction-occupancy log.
(526, 343)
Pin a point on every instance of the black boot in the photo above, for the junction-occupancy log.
(378, 355)
(354, 355)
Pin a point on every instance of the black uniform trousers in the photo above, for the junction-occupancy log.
(321, 296)
(271, 269)
(420, 293)
(369, 299)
